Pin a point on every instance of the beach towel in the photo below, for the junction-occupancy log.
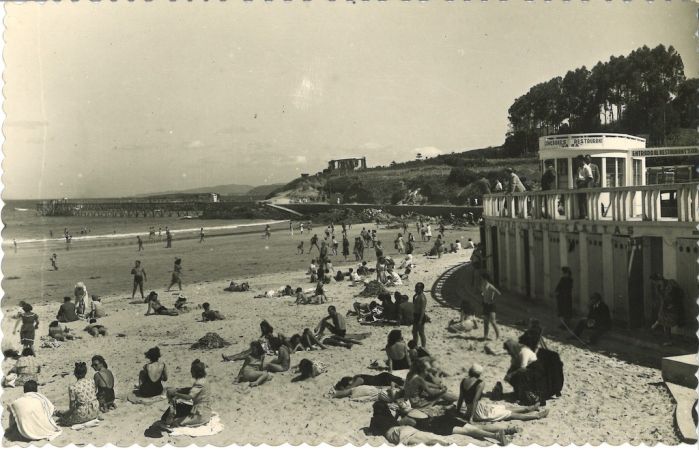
(88, 424)
(214, 426)
(32, 415)
(135, 399)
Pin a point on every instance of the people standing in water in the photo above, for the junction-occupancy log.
(419, 317)
(139, 276)
(488, 291)
(176, 275)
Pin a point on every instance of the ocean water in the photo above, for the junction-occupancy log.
(23, 223)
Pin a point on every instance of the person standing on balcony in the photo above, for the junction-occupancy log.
(515, 183)
(594, 168)
(498, 186)
(585, 180)
(548, 182)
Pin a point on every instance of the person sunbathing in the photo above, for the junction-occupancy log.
(423, 393)
(252, 371)
(191, 406)
(156, 308)
(335, 323)
(104, 380)
(397, 351)
(95, 329)
(416, 352)
(59, 333)
(235, 287)
(366, 393)
(301, 297)
(308, 369)
(305, 341)
(382, 379)
(84, 406)
(151, 377)
(26, 369)
(210, 314)
(471, 394)
(31, 415)
(282, 362)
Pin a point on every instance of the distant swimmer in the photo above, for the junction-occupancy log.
(139, 276)
(54, 261)
(201, 235)
(50, 233)
(140, 243)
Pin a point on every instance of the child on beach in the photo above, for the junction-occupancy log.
(176, 275)
(210, 314)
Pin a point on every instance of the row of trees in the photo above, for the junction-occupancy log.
(645, 93)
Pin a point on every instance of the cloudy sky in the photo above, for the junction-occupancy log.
(112, 99)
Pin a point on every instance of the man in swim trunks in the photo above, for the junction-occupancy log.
(314, 243)
(140, 243)
(139, 276)
(333, 322)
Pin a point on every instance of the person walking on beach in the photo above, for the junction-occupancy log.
(168, 238)
(54, 261)
(160, 234)
(140, 243)
(139, 276)
(488, 291)
(314, 243)
(291, 228)
(419, 317)
(299, 248)
(301, 227)
(176, 275)
(201, 235)
(268, 232)
(345, 246)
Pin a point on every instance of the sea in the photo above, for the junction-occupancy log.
(24, 224)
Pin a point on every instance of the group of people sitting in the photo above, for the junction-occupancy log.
(396, 309)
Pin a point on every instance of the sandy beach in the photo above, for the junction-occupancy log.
(604, 399)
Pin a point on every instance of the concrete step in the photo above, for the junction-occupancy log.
(681, 370)
(685, 398)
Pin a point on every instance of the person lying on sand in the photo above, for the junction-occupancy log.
(191, 406)
(301, 297)
(308, 369)
(366, 393)
(251, 371)
(154, 306)
(305, 341)
(151, 377)
(464, 324)
(471, 393)
(282, 362)
(96, 330)
(59, 333)
(416, 352)
(382, 379)
(210, 314)
(235, 287)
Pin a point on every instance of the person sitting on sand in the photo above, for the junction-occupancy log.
(520, 357)
(82, 394)
(405, 310)
(333, 322)
(354, 277)
(407, 262)
(319, 296)
(252, 367)
(313, 271)
(339, 276)
(96, 330)
(301, 297)
(66, 313)
(394, 278)
(154, 306)
(96, 308)
(397, 351)
(471, 394)
(382, 379)
(191, 406)
(59, 333)
(282, 362)
(151, 377)
(181, 304)
(235, 287)
(210, 314)
(532, 336)
(305, 341)
(423, 393)
(416, 352)
(363, 269)
(104, 380)
(31, 415)
(27, 368)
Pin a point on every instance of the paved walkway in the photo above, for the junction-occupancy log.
(635, 346)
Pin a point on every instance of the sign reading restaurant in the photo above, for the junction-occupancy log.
(572, 141)
(666, 151)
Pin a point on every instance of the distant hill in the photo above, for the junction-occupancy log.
(224, 190)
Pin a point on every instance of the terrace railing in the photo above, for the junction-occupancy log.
(668, 202)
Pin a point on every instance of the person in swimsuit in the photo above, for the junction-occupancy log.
(397, 352)
(104, 380)
(176, 275)
(488, 291)
(96, 330)
(198, 396)
(382, 379)
(419, 317)
(305, 341)
(201, 235)
(155, 306)
(252, 367)
(29, 323)
(54, 261)
(139, 276)
(421, 392)
(282, 362)
(471, 394)
(151, 377)
(140, 243)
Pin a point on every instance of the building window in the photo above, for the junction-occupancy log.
(562, 172)
(637, 174)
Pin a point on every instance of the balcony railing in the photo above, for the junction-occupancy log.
(670, 202)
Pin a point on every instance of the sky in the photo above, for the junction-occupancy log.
(114, 99)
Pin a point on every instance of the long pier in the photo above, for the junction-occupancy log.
(118, 208)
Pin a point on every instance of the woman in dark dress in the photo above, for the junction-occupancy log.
(564, 297)
(150, 379)
(104, 380)
(345, 247)
(30, 322)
